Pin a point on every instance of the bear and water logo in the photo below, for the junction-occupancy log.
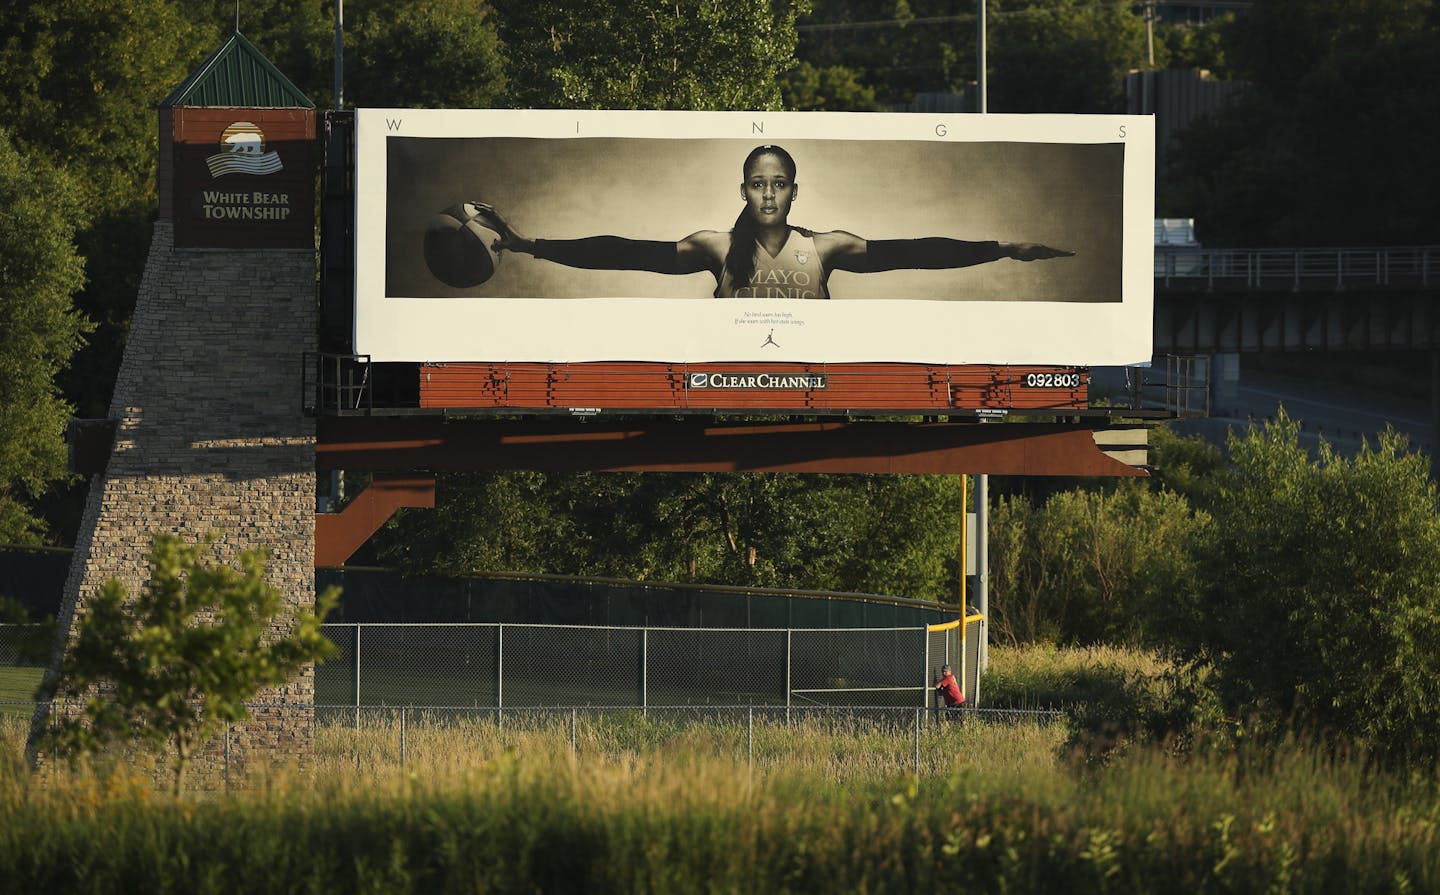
(242, 151)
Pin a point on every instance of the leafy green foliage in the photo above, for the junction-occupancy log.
(1067, 56)
(1187, 465)
(834, 88)
(1087, 565)
(1331, 145)
(39, 331)
(1201, 45)
(890, 53)
(885, 534)
(437, 54)
(178, 661)
(651, 54)
(1321, 590)
(1064, 56)
(82, 80)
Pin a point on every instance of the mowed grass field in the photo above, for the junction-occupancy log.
(647, 805)
(17, 685)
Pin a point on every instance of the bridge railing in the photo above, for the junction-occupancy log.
(1300, 268)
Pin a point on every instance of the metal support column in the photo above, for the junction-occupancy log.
(925, 677)
(982, 570)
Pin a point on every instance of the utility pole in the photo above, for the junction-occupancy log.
(339, 54)
(980, 86)
(982, 481)
(1150, 32)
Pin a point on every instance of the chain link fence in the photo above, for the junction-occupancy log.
(501, 666)
(393, 689)
(505, 666)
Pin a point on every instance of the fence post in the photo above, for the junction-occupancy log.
(402, 737)
(499, 675)
(357, 676)
(644, 672)
(925, 674)
(917, 745)
(227, 756)
(572, 731)
(787, 677)
(750, 736)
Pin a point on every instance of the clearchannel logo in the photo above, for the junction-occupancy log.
(759, 380)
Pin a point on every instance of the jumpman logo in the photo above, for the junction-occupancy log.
(770, 340)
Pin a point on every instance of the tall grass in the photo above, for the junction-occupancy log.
(1047, 676)
(655, 805)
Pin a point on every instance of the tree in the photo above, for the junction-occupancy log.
(396, 63)
(1054, 56)
(40, 330)
(1331, 146)
(1194, 45)
(1321, 590)
(890, 54)
(1088, 566)
(651, 54)
(181, 659)
(834, 88)
(878, 534)
(403, 53)
(1064, 56)
(1186, 464)
(82, 81)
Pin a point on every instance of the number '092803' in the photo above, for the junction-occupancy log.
(1052, 380)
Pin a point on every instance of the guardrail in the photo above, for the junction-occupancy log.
(1299, 268)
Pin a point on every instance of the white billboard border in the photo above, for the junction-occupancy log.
(399, 328)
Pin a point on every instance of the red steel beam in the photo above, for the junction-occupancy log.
(339, 535)
(1010, 448)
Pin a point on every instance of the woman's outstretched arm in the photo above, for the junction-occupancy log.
(692, 254)
(840, 250)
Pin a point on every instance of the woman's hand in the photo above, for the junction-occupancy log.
(510, 239)
(1032, 251)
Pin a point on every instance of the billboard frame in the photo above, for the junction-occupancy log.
(1039, 332)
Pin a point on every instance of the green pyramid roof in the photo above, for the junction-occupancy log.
(237, 74)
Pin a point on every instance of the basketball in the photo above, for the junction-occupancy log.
(458, 248)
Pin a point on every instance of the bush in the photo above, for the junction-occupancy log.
(1320, 602)
(1086, 566)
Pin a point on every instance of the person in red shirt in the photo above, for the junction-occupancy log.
(949, 688)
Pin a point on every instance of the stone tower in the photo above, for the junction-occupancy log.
(209, 434)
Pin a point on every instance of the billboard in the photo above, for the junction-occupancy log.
(693, 237)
